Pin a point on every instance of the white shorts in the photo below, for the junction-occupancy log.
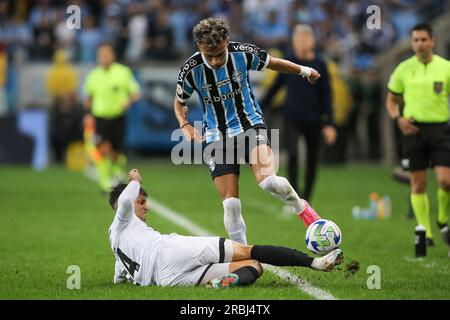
(184, 260)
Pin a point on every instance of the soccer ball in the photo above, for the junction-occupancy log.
(323, 236)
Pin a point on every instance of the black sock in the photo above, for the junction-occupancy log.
(247, 275)
(441, 225)
(280, 256)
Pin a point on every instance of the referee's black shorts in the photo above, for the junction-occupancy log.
(112, 130)
(428, 148)
(228, 154)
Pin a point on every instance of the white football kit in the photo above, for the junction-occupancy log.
(147, 257)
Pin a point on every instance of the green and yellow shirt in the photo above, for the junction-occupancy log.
(110, 89)
(425, 88)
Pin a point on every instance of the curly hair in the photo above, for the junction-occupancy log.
(211, 32)
(117, 190)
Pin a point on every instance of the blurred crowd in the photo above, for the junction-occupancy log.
(144, 30)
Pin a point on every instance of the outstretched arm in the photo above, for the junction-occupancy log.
(128, 196)
(286, 66)
(126, 201)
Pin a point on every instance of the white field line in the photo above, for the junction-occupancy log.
(180, 220)
(430, 265)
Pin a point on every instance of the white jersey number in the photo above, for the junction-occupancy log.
(129, 264)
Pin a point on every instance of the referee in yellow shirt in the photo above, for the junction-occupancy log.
(422, 84)
(111, 89)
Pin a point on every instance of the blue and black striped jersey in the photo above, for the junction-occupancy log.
(226, 94)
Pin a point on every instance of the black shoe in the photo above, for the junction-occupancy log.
(430, 242)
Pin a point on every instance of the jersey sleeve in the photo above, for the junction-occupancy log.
(125, 203)
(395, 84)
(259, 58)
(185, 85)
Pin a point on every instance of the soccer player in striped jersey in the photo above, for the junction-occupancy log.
(220, 74)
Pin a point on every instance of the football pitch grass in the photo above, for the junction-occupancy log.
(54, 219)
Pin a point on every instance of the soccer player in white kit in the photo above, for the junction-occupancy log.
(146, 257)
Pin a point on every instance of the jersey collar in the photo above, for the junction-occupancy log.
(429, 62)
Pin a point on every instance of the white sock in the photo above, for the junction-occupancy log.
(281, 188)
(232, 218)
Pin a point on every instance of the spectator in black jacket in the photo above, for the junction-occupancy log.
(307, 110)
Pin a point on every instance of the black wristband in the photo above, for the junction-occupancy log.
(396, 118)
(185, 124)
